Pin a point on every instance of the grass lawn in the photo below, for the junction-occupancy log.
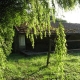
(21, 67)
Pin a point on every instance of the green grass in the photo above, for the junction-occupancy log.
(21, 67)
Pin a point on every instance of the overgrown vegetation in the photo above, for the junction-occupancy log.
(60, 50)
(21, 67)
(2, 64)
(35, 13)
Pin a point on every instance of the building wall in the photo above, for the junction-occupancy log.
(73, 42)
(40, 44)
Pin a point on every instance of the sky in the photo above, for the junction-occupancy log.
(72, 16)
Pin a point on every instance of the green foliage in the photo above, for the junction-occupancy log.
(60, 50)
(60, 40)
(2, 60)
(7, 36)
(67, 4)
(2, 64)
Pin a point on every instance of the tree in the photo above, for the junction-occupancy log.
(36, 14)
(60, 50)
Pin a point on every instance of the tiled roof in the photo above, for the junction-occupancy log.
(69, 27)
(21, 29)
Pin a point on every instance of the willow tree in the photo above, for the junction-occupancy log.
(36, 14)
(60, 51)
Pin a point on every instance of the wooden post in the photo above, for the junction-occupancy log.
(48, 54)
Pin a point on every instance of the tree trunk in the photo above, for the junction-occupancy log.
(48, 54)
